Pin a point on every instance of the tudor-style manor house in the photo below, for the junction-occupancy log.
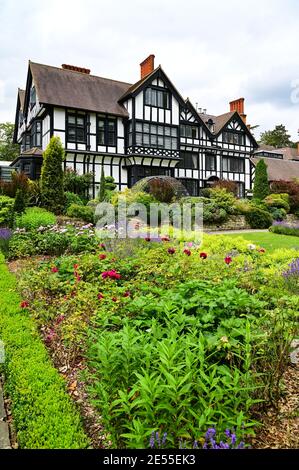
(134, 131)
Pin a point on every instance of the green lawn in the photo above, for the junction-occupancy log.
(269, 241)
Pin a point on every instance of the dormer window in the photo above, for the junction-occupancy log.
(32, 97)
(157, 97)
(211, 125)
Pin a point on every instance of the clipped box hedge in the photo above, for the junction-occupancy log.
(44, 415)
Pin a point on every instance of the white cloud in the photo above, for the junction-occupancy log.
(212, 51)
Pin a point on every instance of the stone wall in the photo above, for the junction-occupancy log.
(235, 222)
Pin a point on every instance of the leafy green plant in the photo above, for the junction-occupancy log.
(6, 211)
(73, 182)
(280, 201)
(72, 198)
(20, 202)
(81, 212)
(35, 217)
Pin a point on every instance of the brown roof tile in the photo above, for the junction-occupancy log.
(278, 169)
(71, 89)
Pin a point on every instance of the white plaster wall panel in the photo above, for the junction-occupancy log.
(147, 113)
(120, 128)
(61, 135)
(161, 115)
(154, 114)
(93, 123)
(81, 147)
(59, 118)
(175, 111)
(167, 116)
(93, 143)
(139, 106)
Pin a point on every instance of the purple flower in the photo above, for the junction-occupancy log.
(152, 440)
(5, 233)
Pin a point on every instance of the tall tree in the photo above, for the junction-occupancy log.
(52, 176)
(8, 150)
(278, 137)
(261, 183)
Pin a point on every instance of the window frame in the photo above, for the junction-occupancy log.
(233, 134)
(157, 90)
(210, 156)
(186, 163)
(184, 127)
(106, 131)
(155, 136)
(233, 159)
(35, 134)
(76, 126)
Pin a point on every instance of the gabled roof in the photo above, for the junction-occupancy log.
(278, 169)
(72, 89)
(288, 153)
(158, 72)
(20, 107)
(219, 121)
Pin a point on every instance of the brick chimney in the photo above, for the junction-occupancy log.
(238, 105)
(74, 68)
(147, 66)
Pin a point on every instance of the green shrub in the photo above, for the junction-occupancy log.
(213, 214)
(6, 211)
(285, 230)
(20, 202)
(44, 415)
(261, 183)
(72, 198)
(35, 217)
(52, 176)
(289, 187)
(281, 201)
(223, 199)
(34, 193)
(258, 218)
(78, 184)
(18, 181)
(277, 213)
(81, 212)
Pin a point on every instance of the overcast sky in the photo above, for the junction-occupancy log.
(213, 51)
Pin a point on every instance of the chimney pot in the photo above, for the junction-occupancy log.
(238, 105)
(147, 66)
(74, 68)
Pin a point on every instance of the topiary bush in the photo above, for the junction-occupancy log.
(6, 211)
(258, 218)
(261, 183)
(81, 212)
(78, 184)
(35, 217)
(52, 190)
(20, 202)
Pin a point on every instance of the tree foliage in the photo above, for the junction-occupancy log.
(52, 176)
(261, 183)
(8, 150)
(278, 137)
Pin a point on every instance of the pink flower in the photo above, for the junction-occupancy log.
(262, 250)
(78, 278)
(102, 256)
(102, 245)
(127, 294)
(203, 255)
(50, 336)
(24, 304)
(171, 251)
(165, 238)
(59, 319)
(187, 252)
(228, 260)
(190, 244)
(100, 296)
(114, 299)
(54, 269)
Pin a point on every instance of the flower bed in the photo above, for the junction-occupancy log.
(177, 337)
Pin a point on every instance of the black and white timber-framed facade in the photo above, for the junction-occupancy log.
(134, 131)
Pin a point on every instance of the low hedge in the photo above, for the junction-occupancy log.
(35, 217)
(285, 230)
(44, 415)
(258, 218)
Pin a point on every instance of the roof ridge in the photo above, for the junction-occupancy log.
(81, 73)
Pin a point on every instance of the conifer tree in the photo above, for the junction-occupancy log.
(52, 176)
(261, 183)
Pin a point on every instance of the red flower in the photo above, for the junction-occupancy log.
(203, 255)
(54, 269)
(113, 259)
(127, 294)
(187, 252)
(78, 278)
(171, 251)
(165, 238)
(228, 260)
(102, 245)
(102, 256)
(114, 299)
(147, 239)
(24, 304)
(100, 296)
(76, 266)
(59, 319)
(262, 250)
(112, 274)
